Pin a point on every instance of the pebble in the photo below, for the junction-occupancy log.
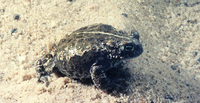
(198, 60)
(169, 97)
(124, 14)
(2, 10)
(195, 54)
(187, 84)
(179, 71)
(192, 21)
(151, 101)
(16, 17)
(173, 67)
(13, 30)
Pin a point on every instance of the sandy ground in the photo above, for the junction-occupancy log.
(167, 71)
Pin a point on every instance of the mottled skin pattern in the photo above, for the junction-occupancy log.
(89, 52)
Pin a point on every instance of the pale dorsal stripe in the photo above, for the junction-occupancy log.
(103, 33)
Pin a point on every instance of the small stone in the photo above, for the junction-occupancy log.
(169, 97)
(198, 60)
(13, 30)
(187, 84)
(192, 21)
(16, 17)
(179, 71)
(168, 36)
(186, 4)
(70, 0)
(151, 101)
(173, 67)
(124, 14)
(195, 54)
(2, 10)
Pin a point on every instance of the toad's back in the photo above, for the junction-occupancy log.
(90, 38)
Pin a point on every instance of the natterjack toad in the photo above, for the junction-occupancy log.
(89, 52)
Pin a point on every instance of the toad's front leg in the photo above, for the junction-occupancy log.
(98, 74)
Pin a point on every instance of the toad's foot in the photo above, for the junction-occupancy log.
(44, 68)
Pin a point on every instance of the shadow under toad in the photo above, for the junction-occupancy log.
(120, 75)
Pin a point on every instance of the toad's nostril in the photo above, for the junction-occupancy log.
(135, 34)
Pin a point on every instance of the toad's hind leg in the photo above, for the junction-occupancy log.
(45, 67)
(98, 74)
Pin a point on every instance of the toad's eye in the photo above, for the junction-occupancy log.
(128, 48)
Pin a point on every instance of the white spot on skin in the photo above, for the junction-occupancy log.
(73, 52)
